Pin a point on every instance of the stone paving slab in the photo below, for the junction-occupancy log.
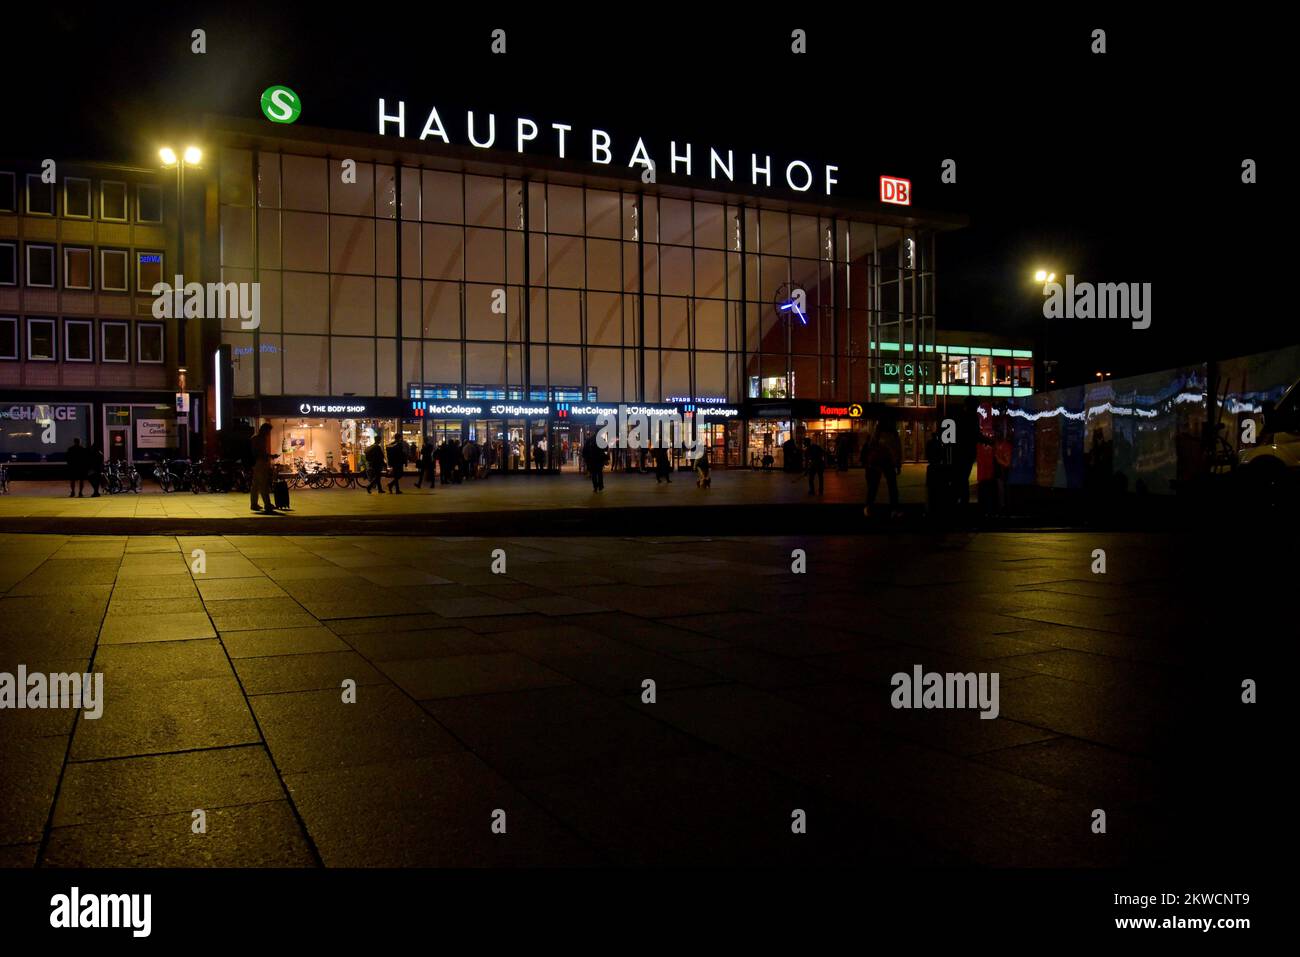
(475, 691)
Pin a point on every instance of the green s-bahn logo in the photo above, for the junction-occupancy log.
(280, 104)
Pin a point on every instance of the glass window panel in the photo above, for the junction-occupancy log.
(604, 319)
(485, 363)
(351, 242)
(676, 263)
(442, 362)
(115, 342)
(605, 372)
(604, 268)
(485, 255)
(76, 197)
(442, 310)
(352, 365)
(710, 274)
(77, 339)
(352, 305)
(305, 240)
(148, 204)
(565, 261)
(805, 237)
(40, 196)
(675, 221)
(40, 266)
(603, 211)
(357, 199)
(236, 235)
(149, 342)
(710, 324)
(76, 268)
(564, 210)
(565, 314)
(774, 227)
(306, 365)
(481, 321)
(304, 183)
(149, 270)
(112, 270)
(8, 264)
(40, 339)
(484, 201)
(306, 302)
(673, 313)
(444, 252)
(675, 369)
(268, 180)
(710, 226)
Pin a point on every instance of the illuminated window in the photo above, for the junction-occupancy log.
(76, 268)
(148, 271)
(112, 270)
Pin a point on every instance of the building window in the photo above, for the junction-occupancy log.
(76, 198)
(112, 201)
(40, 196)
(148, 204)
(76, 268)
(115, 338)
(148, 271)
(40, 266)
(8, 338)
(149, 342)
(40, 340)
(8, 264)
(7, 204)
(77, 338)
(112, 270)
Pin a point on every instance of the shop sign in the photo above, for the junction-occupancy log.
(40, 413)
(155, 434)
(896, 191)
(424, 409)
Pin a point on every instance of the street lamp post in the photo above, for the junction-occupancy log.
(191, 156)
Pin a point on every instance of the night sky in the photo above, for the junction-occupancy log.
(1118, 168)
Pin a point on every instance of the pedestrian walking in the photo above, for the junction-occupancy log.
(815, 465)
(375, 465)
(260, 485)
(968, 430)
(883, 456)
(95, 468)
(663, 467)
(397, 464)
(75, 457)
(595, 458)
(703, 479)
(424, 468)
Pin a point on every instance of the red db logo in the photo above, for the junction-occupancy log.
(896, 191)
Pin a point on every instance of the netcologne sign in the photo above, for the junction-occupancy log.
(523, 135)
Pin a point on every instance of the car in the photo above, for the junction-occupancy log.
(1271, 468)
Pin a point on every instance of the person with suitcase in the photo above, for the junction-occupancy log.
(261, 481)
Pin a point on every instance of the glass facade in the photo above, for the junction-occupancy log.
(420, 282)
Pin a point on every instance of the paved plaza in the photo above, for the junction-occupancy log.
(49, 499)
(524, 692)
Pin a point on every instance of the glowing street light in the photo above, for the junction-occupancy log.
(191, 156)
